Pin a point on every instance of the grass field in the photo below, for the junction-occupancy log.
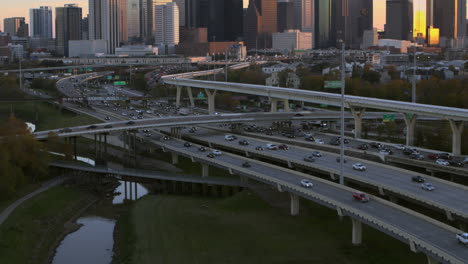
(49, 117)
(28, 234)
(244, 229)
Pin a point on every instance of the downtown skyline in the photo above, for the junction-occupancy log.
(12, 9)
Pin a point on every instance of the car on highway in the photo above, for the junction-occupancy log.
(92, 127)
(124, 114)
(445, 156)
(427, 186)
(306, 183)
(384, 152)
(65, 130)
(359, 167)
(202, 149)
(400, 147)
(140, 117)
(259, 148)
(216, 152)
(309, 158)
(442, 162)
(432, 156)
(243, 142)
(418, 179)
(465, 160)
(272, 146)
(334, 142)
(166, 138)
(319, 141)
(107, 118)
(360, 196)
(316, 154)
(416, 156)
(147, 135)
(309, 138)
(187, 144)
(130, 123)
(462, 238)
(456, 163)
(107, 126)
(375, 145)
(363, 147)
(246, 164)
(191, 130)
(283, 147)
(210, 155)
(230, 137)
(134, 117)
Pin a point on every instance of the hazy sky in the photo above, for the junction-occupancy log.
(20, 8)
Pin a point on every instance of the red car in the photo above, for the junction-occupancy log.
(283, 147)
(360, 196)
(432, 156)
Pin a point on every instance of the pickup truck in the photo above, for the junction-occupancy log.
(463, 238)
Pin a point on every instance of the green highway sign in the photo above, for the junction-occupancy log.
(332, 84)
(200, 96)
(116, 77)
(410, 116)
(119, 83)
(323, 105)
(388, 117)
(109, 77)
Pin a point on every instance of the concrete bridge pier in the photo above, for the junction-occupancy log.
(211, 100)
(125, 190)
(205, 170)
(294, 204)
(357, 232)
(192, 102)
(358, 113)
(287, 108)
(75, 154)
(457, 130)
(176, 132)
(410, 121)
(175, 158)
(131, 193)
(431, 260)
(179, 94)
(274, 105)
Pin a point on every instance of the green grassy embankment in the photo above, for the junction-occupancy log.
(245, 229)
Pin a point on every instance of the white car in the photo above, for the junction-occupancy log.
(384, 152)
(359, 167)
(465, 160)
(427, 186)
(462, 238)
(319, 141)
(442, 162)
(307, 183)
(272, 146)
(229, 137)
(400, 147)
(217, 152)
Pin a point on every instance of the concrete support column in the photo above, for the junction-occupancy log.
(179, 92)
(125, 190)
(294, 204)
(286, 105)
(105, 144)
(192, 102)
(357, 232)
(211, 101)
(332, 126)
(136, 191)
(274, 105)
(410, 127)
(431, 260)
(131, 192)
(205, 170)
(175, 158)
(358, 113)
(457, 130)
(75, 155)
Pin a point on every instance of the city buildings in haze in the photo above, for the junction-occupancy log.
(285, 16)
(67, 27)
(167, 25)
(15, 26)
(40, 21)
(399, 21)
(260, 23)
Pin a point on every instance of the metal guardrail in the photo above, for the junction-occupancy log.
(367, 218)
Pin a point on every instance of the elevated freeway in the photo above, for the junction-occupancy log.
(422, 233)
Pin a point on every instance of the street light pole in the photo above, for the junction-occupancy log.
(413, 90)
(343, 76)
(226, 70)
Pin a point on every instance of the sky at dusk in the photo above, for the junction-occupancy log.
(20, 8)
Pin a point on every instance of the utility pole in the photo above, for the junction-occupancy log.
(413, 90)
(214, 57)
(343, 76)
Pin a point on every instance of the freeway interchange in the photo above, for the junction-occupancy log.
(422, 233)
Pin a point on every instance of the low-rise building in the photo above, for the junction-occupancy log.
(136, 51)
(401, 45)
(292, 39)
(86, 48)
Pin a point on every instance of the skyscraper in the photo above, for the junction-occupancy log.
(260, 22)
(40, 20)
(399, 24)
(133, 19)
(167, 24)
(105, 21)
(323, 24)
(351, 19)
(67, 26)
(285, 15)
(15, 26)
(450, 17)
(146, 19)
(223, 18)
(304, 15)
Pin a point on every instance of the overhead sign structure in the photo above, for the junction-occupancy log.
(388, 117)
(332, 84)
(121, 83)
